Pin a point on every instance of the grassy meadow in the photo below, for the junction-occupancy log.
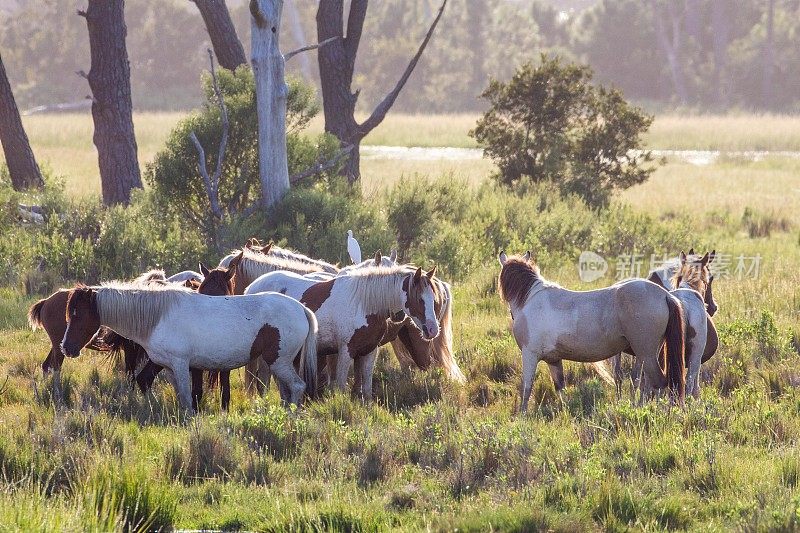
(429, 455)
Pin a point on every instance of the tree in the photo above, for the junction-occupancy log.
(336, 67)
(21, 164)
(271, 95)
(227, 46)
(110, 82)
(549, 123)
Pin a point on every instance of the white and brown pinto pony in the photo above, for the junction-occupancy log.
(180, 329)
(551, 323)
(352, 311)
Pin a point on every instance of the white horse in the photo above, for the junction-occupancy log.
(180, 329)
(352, 310)
(551, 323)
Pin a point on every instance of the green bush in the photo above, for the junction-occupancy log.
(550, 123)
(174, 174)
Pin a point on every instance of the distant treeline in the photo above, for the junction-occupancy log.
(701, 54)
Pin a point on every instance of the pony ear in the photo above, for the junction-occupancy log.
(265, 250)
(502, 257)
(393, 255)
(432, 272)
(683, 256)
(691, 250)
(378, 258)
(527, 256)
(704, 260)
(418, 274)
(204, 270)
(234, 264)
(712, 255)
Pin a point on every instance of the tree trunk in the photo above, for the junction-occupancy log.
(271, 96)
(21, 164)
(336, 65)
(720, 30)
(110, 82)
(227, 46)
(671, 46)
(769, 58)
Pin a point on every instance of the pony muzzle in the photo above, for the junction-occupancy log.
(70, 350)
(430, 330)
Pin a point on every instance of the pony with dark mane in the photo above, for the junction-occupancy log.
(551, 323)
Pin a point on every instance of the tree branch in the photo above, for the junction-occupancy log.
(322, 166)
(211, 182)
(289, 55)
(380, 111)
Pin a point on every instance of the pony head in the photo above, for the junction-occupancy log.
(418, 302)
(219, 281)
(695, 272)
(518, 275)
(83, 320)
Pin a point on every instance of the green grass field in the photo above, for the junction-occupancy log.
(429, 455)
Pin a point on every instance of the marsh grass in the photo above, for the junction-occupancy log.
(428, 455)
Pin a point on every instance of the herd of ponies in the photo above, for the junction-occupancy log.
(307, 323)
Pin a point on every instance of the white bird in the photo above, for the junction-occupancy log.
(353, 248)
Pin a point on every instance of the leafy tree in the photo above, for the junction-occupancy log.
(550, 123)
(174, 173)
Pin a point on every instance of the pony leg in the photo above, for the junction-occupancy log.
(197, 387)
(183, 389)
(358, 378)
(286, 375)
(264, 377)
(529, 362)
(225, 388)
(147, 376)
(367, 370)
(557, 373)
(619, 376)
(343, 364)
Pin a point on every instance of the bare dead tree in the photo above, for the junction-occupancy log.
(112, 110)
(211, 181)
(22, 167)
(336, 66)
(227, 46)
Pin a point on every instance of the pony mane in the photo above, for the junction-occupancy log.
(292, 255)
(517, 277)
(692, 274)
(140, 307)
(375, 288)
(255, 264)
(150, 276)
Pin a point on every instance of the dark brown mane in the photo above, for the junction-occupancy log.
(516, 279)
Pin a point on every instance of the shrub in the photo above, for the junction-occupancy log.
(207, 454)
(174, 173)
(549, 123)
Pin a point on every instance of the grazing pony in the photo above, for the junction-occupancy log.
(352, 310)
(181, 329)
(216, 282)
(551, 323)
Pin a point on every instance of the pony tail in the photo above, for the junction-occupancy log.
(443, 344)
(675, 349)
(35, 314)
(308, 355)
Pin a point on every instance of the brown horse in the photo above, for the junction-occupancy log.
(50, 314)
